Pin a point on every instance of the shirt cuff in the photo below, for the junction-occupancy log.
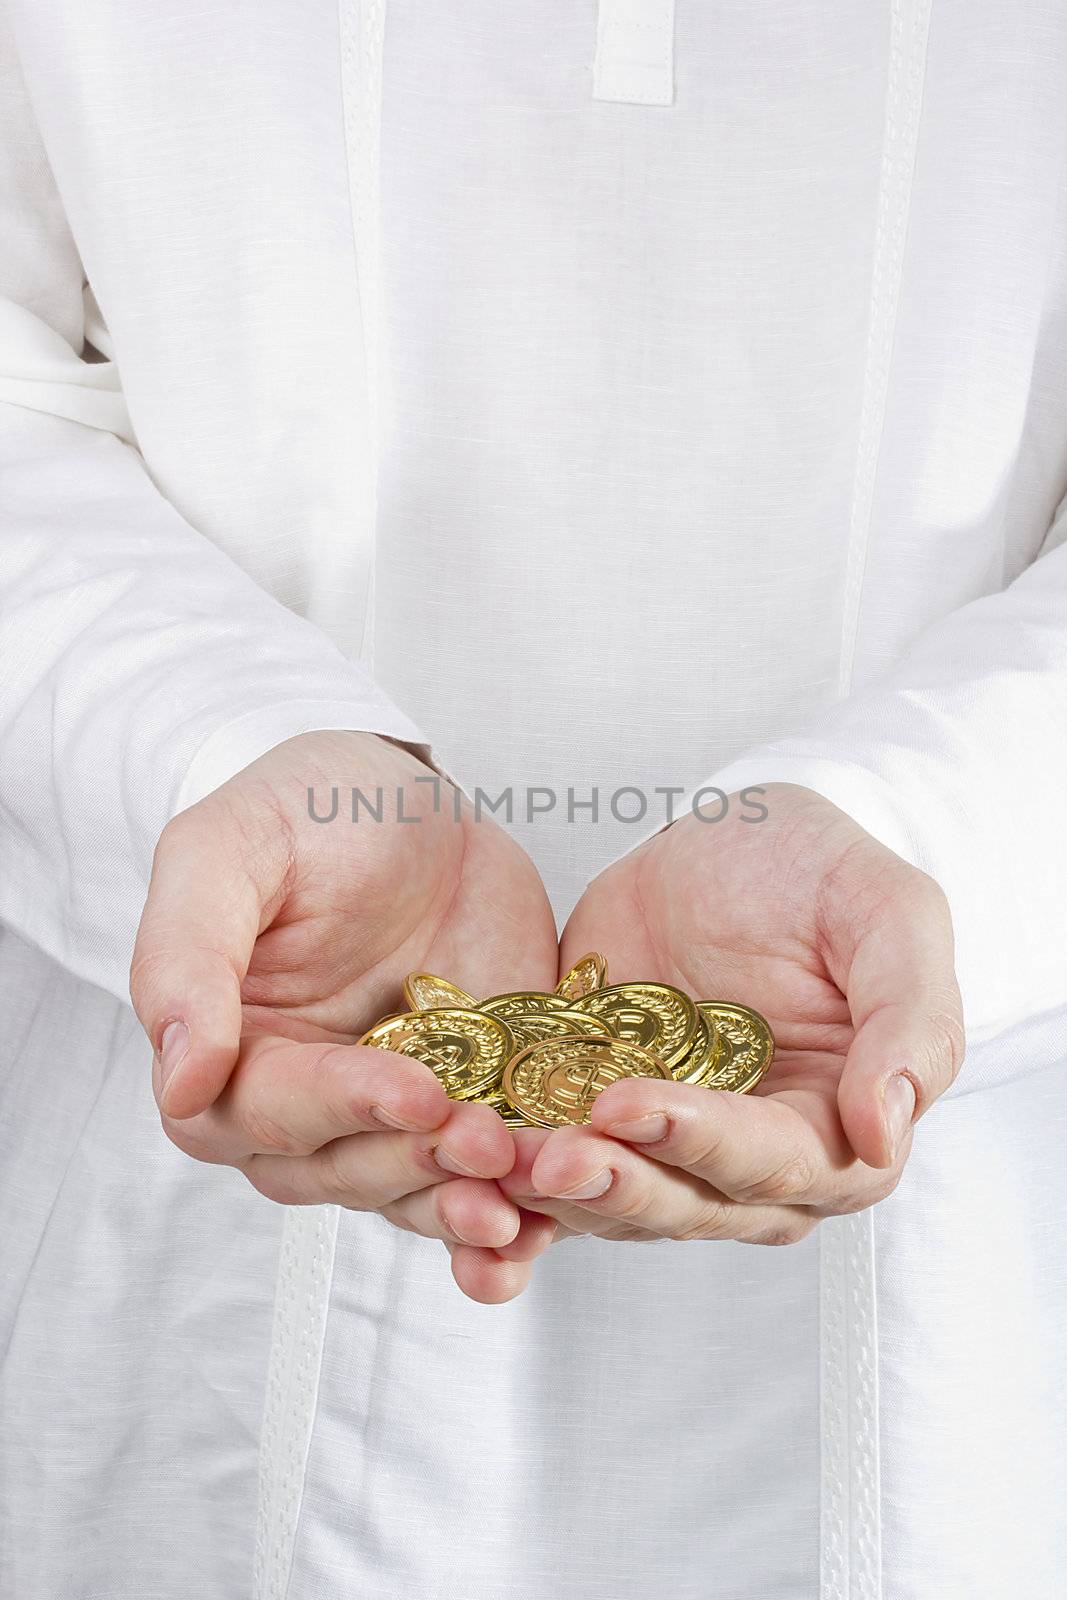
(243, 740)
(860, 793)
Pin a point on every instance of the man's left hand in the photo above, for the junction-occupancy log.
(848, 952)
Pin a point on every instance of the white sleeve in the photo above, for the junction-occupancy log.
(957, 760)
(140, 666)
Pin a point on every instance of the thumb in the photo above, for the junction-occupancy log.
(201, 920)
(905, 1004)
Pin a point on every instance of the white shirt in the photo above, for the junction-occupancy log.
(610, 395)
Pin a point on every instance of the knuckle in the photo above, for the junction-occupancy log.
(947, 1042)
(711, 1221)
(269, 1137)
(338, 1174)
(270, 1182)
(336, 1179)
(632, 1205)
(790, 1180)
(145, 967)
(343, 1095)
(703, 1148)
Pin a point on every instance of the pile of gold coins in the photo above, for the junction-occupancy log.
(541, 1059)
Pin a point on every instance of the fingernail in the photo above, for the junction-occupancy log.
(172, 1049)
(450, 1164)
(899, 1100)
(597, 1185)
(643, 1130)
(505, 1235)
(389, 1120)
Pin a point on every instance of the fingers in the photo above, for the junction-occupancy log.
(199, 925)
(562, 1217)
(494, 1276)
(753, 1149)
(367, 1171)
(535, 1234)
(611, 1181)
(460, 1211)
(287, 1099)
(905, 1003)
(484, 1276)
(474, 1212)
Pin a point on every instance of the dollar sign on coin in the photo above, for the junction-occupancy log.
(553, 1084)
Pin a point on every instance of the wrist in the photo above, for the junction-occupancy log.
(233, 747)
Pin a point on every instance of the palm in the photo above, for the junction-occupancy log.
(727, 912)
(361, 904)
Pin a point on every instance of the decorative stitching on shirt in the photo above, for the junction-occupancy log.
(301, 1306)
(635, 52)
(909, 25)
(850, 1546)
(305, 1266)
(848, 1334)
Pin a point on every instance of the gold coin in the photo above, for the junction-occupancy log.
(553, 1084)
(655, 1016)
(425, 992)
(521, 1003)
(532, 1026)
(585, 977)
(704, 1056)
(748, 1042)
(466, 1049)
(505, 1109)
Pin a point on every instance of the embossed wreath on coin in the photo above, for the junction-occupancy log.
(466, 1049)
(532, 1026)
(424, 991)
(655, 1016)
(521, 1002)
(749, 1041)
(585, 977)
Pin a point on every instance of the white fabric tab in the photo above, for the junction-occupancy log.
(850, 1539)
(850, 1490)
(635, 52)
(301, 1306)
(909, 22)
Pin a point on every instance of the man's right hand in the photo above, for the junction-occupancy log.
(270, 942)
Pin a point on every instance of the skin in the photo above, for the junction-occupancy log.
(273, 942)
(270, 942)
(848, 952)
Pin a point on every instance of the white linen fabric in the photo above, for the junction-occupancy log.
(667, 397)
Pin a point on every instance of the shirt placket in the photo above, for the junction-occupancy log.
(635, 52)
